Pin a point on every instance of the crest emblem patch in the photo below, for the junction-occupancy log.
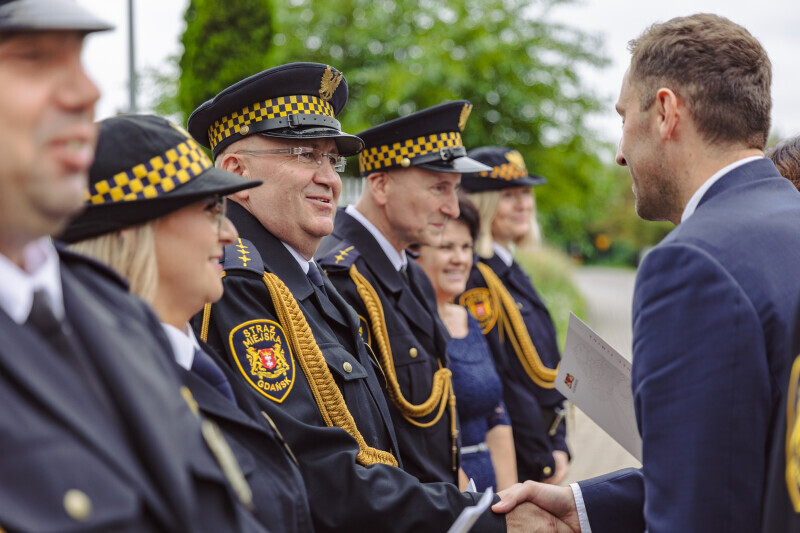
(479, 303)
(462, 120)
(363, 331)
(264, 357)
(329, 83)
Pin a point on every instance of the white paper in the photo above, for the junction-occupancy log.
(597, 378)
(470, 514)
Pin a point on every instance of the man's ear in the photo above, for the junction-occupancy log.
(669, 112)
(233, 163)
(379, 184)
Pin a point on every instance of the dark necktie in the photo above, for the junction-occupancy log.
(43, 319)
(404, 274)
(316, 277)
(205, 367)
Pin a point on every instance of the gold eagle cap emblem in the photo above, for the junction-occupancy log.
(329, 83)
(515, 158)
(462, 120)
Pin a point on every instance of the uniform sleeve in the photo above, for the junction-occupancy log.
(499, 416)
(701, 389)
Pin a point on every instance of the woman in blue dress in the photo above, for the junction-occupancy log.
(487, 445)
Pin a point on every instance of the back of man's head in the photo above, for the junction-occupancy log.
(719, 70)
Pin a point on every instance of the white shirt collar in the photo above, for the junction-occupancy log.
(399, 260)
(40, 271)
(505, 255)
(694, 201)
(184, 344)
(302, 261)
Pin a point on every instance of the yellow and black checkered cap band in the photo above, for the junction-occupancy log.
(392, 155)
(283, 106)
(152, 178)
(506, 171)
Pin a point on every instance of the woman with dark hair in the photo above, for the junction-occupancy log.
(487, 446)
(156, 215)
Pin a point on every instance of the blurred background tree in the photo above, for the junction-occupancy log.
(520, 71)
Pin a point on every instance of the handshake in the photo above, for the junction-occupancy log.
(533, 507)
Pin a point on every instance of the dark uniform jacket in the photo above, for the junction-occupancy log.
(524, 399)
(417, 337)
(112, 448)
(344, 496)
(782, 507)
(279, 494)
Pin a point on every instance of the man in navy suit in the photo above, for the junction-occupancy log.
(714, 302)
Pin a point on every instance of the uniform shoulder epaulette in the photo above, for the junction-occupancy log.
(341, 257)
(242, 255)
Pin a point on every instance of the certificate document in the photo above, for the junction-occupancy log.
(597, 378)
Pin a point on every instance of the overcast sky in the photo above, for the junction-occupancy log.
(776, 23)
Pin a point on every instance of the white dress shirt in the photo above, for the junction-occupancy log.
(504, 254)
(40, 270)
(399, 260)
(694, 201)
(184, 344)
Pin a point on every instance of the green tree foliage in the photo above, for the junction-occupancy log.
(520, 71)
(224, 42)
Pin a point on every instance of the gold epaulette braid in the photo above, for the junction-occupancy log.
(514, 326)
(793, 437)
(442, 393)
(326, 393)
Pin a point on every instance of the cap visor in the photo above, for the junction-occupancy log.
(460, 164)
(44, 15)
(346, 144)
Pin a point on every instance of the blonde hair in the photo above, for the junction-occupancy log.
(131, 252)
(486, 202)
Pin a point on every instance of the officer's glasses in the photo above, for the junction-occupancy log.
(305, 155)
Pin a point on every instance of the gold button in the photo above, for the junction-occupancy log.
(347, 367)
(547, 471)
(413, 352)
(519, 305)
(77, 504)
(244, 130)
(405, 163)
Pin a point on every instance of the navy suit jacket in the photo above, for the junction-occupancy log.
(137, 454)
(712, 319)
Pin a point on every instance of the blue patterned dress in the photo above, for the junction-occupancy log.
(479, 397)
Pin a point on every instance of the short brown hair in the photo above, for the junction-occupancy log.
(718, 69)
(786, 156)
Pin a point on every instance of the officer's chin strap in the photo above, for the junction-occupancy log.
(442, 393)
(514, 327)
(326, 393)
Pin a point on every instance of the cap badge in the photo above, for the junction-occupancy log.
(329, 83)
(515, 158)
(462, 120)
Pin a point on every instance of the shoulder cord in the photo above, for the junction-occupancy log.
(442, 391)
(514, 327)
(793, 438)
(326, 393)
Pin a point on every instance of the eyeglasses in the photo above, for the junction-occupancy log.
(305, 155)
(217, 207)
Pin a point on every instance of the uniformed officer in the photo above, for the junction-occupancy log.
(515, 321)
(284, 329)
(412, 167)
(94, 433)
(166, 239)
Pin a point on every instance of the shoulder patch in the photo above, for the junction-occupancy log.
(264, 357)
(343, 256)
(364, 331)
(478, 302)
(242, 255)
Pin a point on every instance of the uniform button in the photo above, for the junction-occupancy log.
(347, 367)
(519, 305)
(547, 471)
(244, 130)
(77, 504)
(413, 352)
